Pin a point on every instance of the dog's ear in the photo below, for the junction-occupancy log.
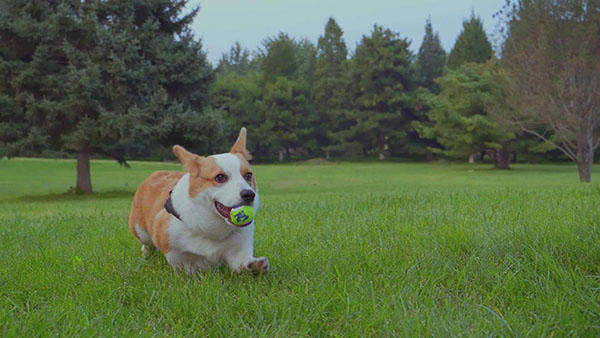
(239, 147)
(190, 161)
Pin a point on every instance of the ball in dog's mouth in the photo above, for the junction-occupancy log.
(243, 215)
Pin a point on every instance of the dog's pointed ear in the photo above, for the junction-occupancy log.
(239, 147)
(190, 161)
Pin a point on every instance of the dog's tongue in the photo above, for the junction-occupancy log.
(223, 210)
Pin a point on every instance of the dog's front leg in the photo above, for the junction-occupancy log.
(240, 254)
(246, 262)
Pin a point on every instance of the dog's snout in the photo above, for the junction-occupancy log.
(247, 195)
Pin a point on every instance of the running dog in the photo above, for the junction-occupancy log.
(186, 215)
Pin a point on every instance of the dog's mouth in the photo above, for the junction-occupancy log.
(223, 210)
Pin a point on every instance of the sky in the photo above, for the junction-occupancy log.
(220, 23)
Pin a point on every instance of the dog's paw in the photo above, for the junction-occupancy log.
(258, 266)
(146, 251)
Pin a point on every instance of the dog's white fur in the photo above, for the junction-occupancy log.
(202, 237)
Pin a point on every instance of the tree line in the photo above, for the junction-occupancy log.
(539, 99)
(128, 80)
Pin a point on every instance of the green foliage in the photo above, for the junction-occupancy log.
(279, 58)
(461, 114)
(380, 89)
(236, 61)
(275, 101)
(240, 97)
(430, 60)
(330, 83)
(289, 117)
(472, 45)
(112, 75)
(404, 250)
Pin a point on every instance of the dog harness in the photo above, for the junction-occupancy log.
(170, 209)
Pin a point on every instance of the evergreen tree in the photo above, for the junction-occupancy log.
(237, 60)
(330, 82)
(462, 114)
(240, 97)
(472, 45)
(430, 60)
(288, 72)
(381, 90)
(102, 77)
(288, 121)
(279, 58)
(274, 100)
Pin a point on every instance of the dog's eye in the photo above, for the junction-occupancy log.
(221, 178)
(248, 177)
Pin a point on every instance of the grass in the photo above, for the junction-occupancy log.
(369, 249)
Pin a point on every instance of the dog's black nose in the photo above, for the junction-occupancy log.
(247, 195)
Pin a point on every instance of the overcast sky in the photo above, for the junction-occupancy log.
(220, 23)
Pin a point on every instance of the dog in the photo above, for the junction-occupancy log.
(186, 215)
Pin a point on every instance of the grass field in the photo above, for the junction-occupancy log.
(373, 249)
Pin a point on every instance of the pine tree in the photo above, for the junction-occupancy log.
(237, 60)
(288, 120)
(279, 58)
(430, 60)
(330, 83)
(472, 45)
(102, 77)
(381, 90)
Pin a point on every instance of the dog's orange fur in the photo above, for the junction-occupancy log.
(205, 175)
(147, 209)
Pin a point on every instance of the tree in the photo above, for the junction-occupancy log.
(430, 60)
(472, 45)
(240, 97)
(101, 76)
(330, 83)
(429, 66)
(461, 115)
(381, 96)
(279, 58)
(551, 58)
(237, 60)
(288, 118)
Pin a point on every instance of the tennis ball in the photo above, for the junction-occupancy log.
(241, 216)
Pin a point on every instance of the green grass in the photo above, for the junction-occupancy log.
(356, 249)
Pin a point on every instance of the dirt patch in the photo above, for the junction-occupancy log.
(316, 161)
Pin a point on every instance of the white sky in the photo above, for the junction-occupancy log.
(220, 23)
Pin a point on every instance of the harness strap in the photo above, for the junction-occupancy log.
(169, 207)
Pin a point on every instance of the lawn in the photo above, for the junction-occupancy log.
(374, 249)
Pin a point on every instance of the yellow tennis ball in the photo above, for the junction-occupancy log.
(242, 216)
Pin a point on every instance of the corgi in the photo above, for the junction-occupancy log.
(186, 215)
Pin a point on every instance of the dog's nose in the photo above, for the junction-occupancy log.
(247, 195)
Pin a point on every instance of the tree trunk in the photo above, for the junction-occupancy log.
(472, 158)
(382, 146)
(327, 155)
(84, 179)
(585, 159)
(585, 171)
(280, 155)
(501, 159)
